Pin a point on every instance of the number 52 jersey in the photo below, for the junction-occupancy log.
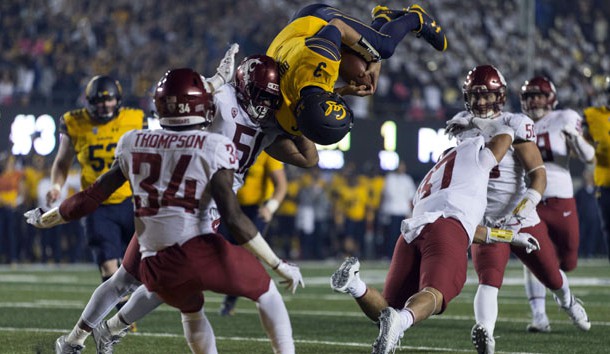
(169, 172)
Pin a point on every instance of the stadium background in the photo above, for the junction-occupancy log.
(50, 49)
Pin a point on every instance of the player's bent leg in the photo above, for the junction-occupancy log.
(536, 295)
(275, 320)
(107, 295)
(199, 333)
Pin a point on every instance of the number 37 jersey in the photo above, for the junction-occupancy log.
(169, 172)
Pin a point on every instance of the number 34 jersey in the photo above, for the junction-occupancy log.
(169, 172)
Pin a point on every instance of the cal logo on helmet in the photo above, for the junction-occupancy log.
(323, 117)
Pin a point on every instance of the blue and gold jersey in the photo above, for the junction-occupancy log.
(258, 185)
(304, 60)
(598, 121)
(94, 143)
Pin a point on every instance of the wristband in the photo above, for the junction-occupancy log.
(499, 235)
(272, 205)
(51, 218)
(260, 248)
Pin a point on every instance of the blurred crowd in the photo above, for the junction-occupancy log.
(51, 48)
(325, 215)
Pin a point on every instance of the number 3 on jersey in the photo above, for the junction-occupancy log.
(151, 205)
(426, 186)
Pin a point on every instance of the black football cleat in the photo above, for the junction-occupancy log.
(429, 29)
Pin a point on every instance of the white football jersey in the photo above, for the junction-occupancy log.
(507, 186)
(555, 151)
(169, 172)
(249, 137)
(233, 122)
(455, 187)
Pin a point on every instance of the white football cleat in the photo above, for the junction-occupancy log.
(342, 278)
(389, 332)
(63, 347)
(104, 340)
(540, 324)
(577, 313)
(483, 342)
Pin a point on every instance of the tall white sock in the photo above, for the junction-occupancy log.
(357, 287)
(535, 291)
(107, 295)
(563, 294)
(275, 320)
(77, 336)
(406, 318)
(140, 303)
(486, 307)
(199, 333)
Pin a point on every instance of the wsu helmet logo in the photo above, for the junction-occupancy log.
(250, 64)
(170, 102)
(336, 109)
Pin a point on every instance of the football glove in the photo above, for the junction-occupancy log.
(458, 124)
(38, 218)
(529, 242)
(581, 147)
(291, 274)
(492, 127)
(226, 68)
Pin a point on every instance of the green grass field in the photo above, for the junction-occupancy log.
(37, 304)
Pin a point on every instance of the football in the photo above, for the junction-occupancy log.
(352, 65)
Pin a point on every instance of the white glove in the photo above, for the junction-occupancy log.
(226, 68)
(38, 218)
(292, 275)
(458, 124)
(492, 127)
(529, 242)
(527, 205)
(570, 132)
(584, 150)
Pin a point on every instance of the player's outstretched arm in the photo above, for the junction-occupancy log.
(245, 232)
(493, 235)
(80, 204)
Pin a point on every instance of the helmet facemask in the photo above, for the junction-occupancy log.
(260, 103)
(483, 103)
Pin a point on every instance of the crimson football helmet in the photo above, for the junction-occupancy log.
(323, 117)
(101, 89)
(536, 86)
(257, 80)
(481, 80)
(182, 100)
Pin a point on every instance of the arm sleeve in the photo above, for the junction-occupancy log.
(84, 202)
(326, 42)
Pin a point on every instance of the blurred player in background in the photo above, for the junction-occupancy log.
(558, 135)
(597, 131)
(428, 268)
(182, 178)
(510, 204)
(91, 134)
(263, 191)
(308, 51)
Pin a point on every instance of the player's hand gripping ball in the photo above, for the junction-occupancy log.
(352, 69)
